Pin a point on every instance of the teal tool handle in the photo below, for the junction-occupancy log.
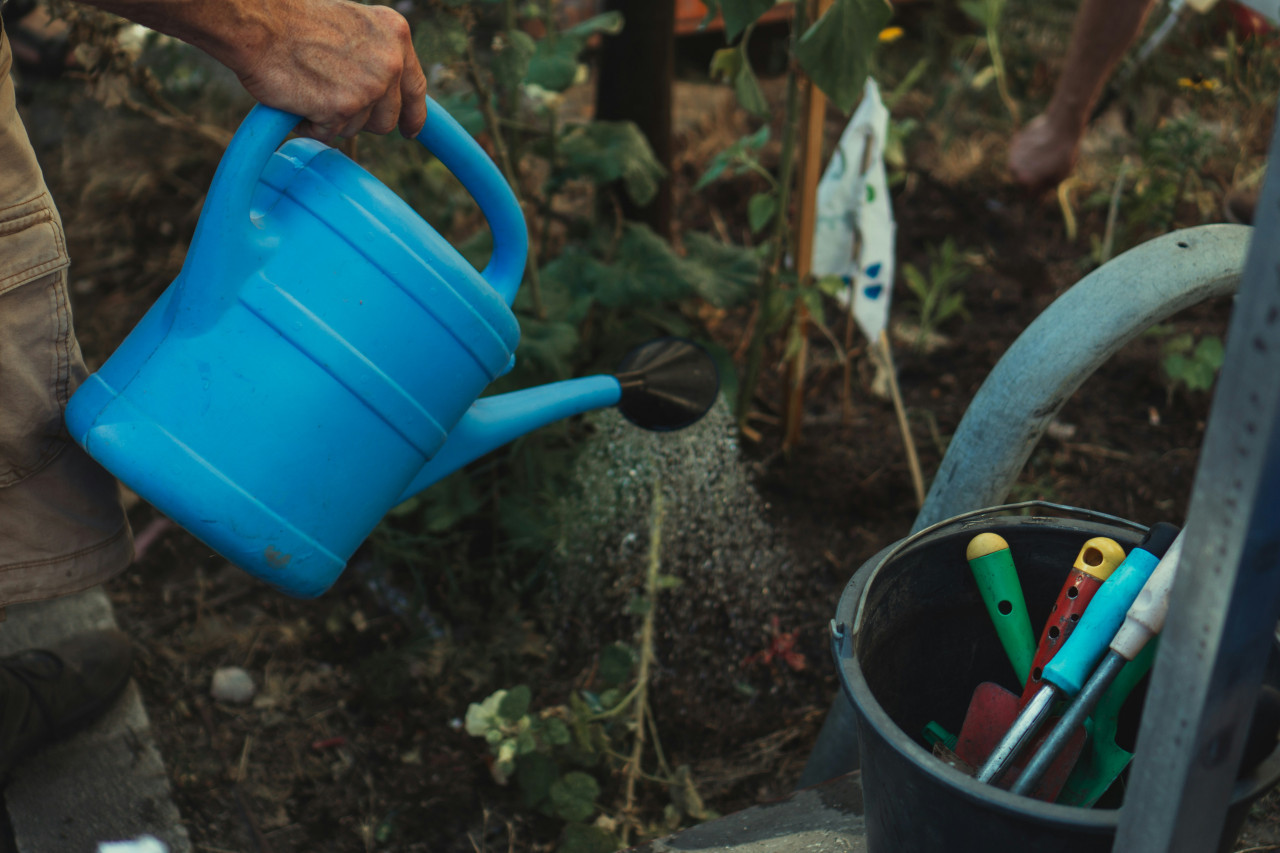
(1072, 665)
(992, 565)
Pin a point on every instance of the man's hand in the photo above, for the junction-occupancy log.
(342, 66)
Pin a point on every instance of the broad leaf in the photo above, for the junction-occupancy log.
(573, 796)
(616, 662)
(732, 65)
(835, 51)
(554, 65)
(440, 38)
(535, 774)
(721, 273)
(607, 151)
(515, 704)
(585, 838)
(760, 210)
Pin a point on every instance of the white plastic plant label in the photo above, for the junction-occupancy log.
(854, 235)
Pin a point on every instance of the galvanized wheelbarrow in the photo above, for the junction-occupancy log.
(1005, 421)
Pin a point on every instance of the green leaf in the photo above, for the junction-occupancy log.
(526, 742)
(721, 273)
(835, 51)
(511, 63)
(535, 775)
(606, 151)
(515, 704)
(586, 838)
(1210, 352)
(573, 795)
(639, 606)
(610, 24)
(554, 63)
(760, 210)
(739, 14)
(732, 65)
(1181, 343)
(482, 717)
(740, 150)
(556, 732)
(440, 38)
(669, 581)
(616, 663)
(465, 109)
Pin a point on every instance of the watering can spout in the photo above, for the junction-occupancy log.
(493, 421)
(663, 385)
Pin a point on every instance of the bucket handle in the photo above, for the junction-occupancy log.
(226, 209)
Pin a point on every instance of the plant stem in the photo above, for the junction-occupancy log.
(781, 223)
(646, 654)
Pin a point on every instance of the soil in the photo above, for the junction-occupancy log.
(354, 741)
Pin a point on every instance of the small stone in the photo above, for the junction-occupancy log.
(233, 685)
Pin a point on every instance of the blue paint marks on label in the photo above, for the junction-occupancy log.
(873, 291)
(873, 271)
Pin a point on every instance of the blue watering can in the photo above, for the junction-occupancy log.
(319, 358)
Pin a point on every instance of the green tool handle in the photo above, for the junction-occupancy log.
(1002, 594)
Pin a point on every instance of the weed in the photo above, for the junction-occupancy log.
(558, 756)
(1188, 363)
(937, 297)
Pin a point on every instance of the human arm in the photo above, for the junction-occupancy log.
(1045, 151)
(344, 67)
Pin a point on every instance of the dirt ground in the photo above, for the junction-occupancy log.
(354, 741)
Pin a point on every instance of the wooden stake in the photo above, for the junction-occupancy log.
(806, 220)
(913, 461)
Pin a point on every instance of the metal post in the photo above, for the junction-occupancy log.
(1226, 601)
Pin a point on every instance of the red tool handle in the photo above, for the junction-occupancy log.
(1097, 560)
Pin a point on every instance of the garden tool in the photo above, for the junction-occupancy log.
(320, 357)
(1095, 563)
(1103, 758)
(992, 565)
(1066, 673)
(1144, 620)
(993, 709)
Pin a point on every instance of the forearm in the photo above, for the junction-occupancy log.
(1102, 32)
(342, 66)
(230, 31)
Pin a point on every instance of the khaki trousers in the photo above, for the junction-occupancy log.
(62, 527)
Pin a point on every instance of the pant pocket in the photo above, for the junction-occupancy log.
(31, 242)
(39, 363)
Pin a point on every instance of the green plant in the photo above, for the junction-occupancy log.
(1189, 363)
(559, 756)
(937, 297)
(834, 52)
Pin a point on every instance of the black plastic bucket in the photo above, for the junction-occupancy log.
(912, 640)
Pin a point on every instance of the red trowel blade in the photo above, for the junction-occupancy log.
(992, 710)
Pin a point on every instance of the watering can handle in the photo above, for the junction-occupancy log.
(226, 211)
(462, 155)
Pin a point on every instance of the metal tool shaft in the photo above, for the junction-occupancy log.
(1019, 735)
(1075, 714)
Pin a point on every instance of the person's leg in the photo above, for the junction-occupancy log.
(1045, 151)
(62, 527)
